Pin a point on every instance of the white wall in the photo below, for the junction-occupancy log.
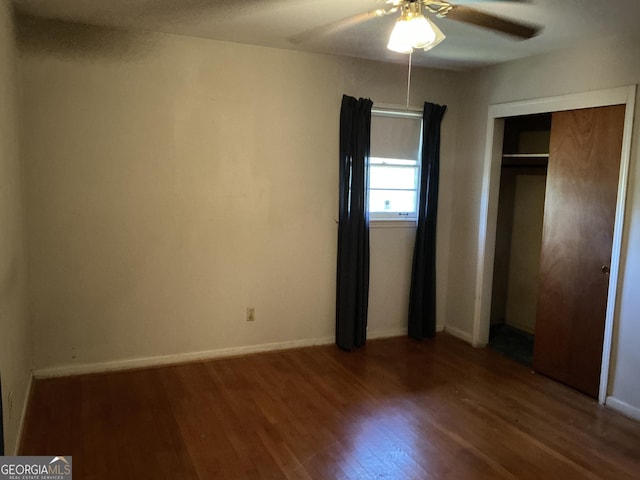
(15, 344)
(609, 63)
(173, 181)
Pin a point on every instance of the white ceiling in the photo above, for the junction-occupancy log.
(276, 22)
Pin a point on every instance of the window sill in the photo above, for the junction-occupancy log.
(392, 223)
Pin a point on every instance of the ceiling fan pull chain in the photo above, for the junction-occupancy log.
(409, 79)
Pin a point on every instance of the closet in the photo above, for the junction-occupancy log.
(566, 244)
(519, 234)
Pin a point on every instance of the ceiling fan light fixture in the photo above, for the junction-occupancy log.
(439, 36)
(413, 30)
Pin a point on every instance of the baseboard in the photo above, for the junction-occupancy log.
(623, 408)
(400, 332)
(143, 362)
(23, 416)
(133, 363)
(387, 334)
(461, 334)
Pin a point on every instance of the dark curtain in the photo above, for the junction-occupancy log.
(352, 285)
(422, 300)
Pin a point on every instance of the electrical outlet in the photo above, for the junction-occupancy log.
(251, 314)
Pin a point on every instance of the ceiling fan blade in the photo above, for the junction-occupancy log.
(334, 26)
(464, 14)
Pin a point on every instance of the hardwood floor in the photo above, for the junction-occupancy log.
(397, 409)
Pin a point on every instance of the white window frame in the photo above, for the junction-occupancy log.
(397, 219)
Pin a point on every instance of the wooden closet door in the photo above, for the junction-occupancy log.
(580, 205)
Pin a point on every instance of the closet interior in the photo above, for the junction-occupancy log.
(525, 156)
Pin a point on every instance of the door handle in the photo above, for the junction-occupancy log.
(605, 270)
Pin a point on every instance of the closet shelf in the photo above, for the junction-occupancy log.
(525, 155)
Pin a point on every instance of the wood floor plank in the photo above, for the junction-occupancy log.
(396, 409)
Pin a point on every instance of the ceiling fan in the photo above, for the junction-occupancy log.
(415, 30)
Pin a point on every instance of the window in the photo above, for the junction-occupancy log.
(394, 164)
(393, 187)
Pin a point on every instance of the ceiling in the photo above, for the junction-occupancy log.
(298, 24)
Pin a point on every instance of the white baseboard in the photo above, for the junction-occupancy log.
(23, 416)
(387, 334)
(623, 408)
(461, 334)
(159, 360)
(400, 332)
(133, 363)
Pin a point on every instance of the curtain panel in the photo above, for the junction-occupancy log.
(422, 299)
(352, 285)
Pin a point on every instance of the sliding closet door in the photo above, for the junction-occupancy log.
(580, 205)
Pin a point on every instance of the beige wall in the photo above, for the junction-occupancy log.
(390, 271)
(610, 63)
(504, 229)
(15, 344)
(526, 241)
(174, 181)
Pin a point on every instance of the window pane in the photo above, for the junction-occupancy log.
(392, 201)
(389, 177)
